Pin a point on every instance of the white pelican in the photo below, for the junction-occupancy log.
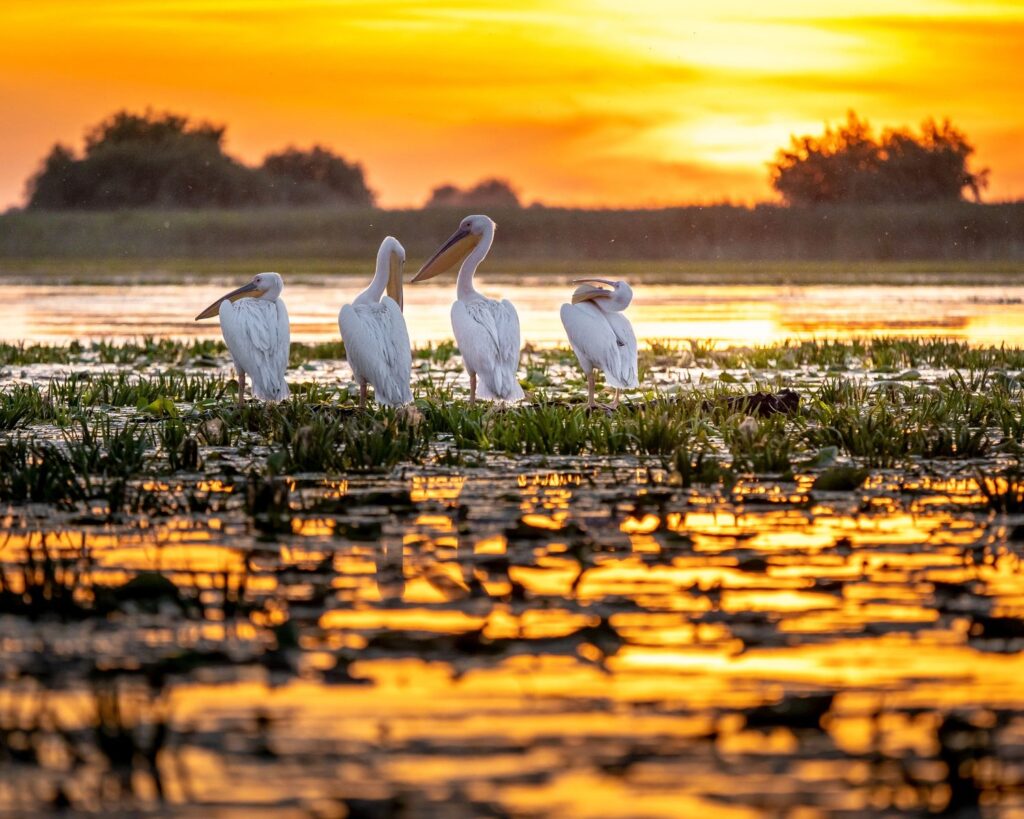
(486, 330)
(373, 329)
(601, 336)
(254, 322)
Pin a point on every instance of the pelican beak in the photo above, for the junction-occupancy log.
(245, 291)
(451, 253)
(599, 281)
(395, 271)
(587, 292)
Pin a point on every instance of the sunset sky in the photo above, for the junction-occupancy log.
(608, 103)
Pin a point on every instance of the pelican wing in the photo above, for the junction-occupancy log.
(624, 376)
(258, 337)
(378, 349)
(487, 332)
(591, 336)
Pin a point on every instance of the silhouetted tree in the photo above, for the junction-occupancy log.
(848, 165)
(57, 183)
(148, 159)
(490, 193)
(445, 196)
(307, 176)
(132, 160)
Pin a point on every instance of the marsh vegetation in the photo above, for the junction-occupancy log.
(328, 238)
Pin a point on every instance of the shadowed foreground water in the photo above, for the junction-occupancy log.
(729, 314)
(531, 637)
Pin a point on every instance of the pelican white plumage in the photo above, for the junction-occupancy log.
(601, 336)
(486, 330)
(373, 329)
(254, 323)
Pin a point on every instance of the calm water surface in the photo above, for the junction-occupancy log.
(730, 314)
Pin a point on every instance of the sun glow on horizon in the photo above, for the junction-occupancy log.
(577, 103)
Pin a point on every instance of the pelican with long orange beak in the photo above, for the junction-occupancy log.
(254, 323)
(373, 329)
(486, 330)
(601, 336)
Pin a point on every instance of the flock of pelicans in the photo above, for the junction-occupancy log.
(254, 322)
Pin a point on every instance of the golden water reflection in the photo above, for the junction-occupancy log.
(548, 643)
(730, 314)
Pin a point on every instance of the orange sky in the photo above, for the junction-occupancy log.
(608, 102)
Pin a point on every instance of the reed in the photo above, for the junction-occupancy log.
(345, 239)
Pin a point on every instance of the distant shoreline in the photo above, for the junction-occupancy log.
(171, 271)
(767, 244)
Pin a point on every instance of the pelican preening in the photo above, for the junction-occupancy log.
(600, 335)
(373, 329)
(254, 323)
(486, 330)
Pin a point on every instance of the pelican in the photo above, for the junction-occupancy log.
(373, 329)
(600, 335)
(486, 330)
(254, 323)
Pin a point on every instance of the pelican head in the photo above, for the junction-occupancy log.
(460, 244)
(263, 286)
(615, 300)
(392, 254)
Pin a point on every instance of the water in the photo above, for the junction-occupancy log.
(523, 637)
(531, 639)
(737, 315)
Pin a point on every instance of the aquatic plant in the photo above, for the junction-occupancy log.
(23, 405)
(365, 441)
(38, 472)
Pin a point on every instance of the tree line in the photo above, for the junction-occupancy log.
(134, 160)
(138, 160)
(850, 165)
(149, 159)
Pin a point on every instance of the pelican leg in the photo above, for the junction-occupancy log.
(241, 387)
(472, 388)
(591, 403)
(362, 395)
(614, 404)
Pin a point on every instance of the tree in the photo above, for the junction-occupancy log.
(849, 165)
(490, 193)
(316, 174)
(133, 160)
(144, 159)
(56, 183)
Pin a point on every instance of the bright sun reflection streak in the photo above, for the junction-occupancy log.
(728, 314)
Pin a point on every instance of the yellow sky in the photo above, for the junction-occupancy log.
(609, 102)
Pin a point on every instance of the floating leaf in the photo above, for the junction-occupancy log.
(826, 456)
(840, 479)
(161, 408)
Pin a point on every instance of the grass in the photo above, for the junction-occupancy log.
(888, 355)
(149, 350)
